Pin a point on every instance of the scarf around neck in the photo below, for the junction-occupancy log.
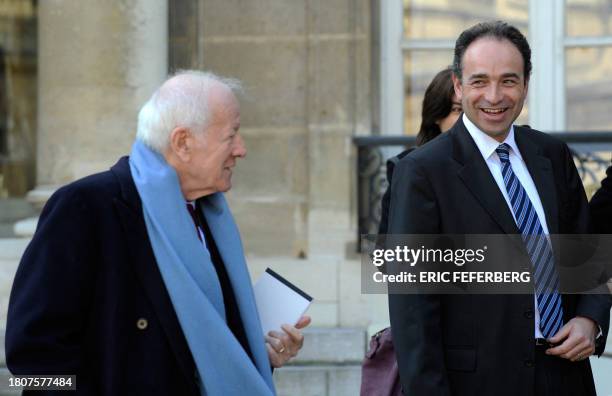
(223, 366)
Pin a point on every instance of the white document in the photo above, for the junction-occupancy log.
(278, 301)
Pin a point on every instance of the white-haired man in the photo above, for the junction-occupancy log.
(135, 280)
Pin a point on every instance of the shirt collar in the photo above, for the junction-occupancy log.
(485, 143)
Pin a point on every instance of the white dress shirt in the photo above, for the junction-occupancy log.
(487, 145)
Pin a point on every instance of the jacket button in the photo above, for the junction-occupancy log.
(529, 363)
(529, 314)
(142, 323)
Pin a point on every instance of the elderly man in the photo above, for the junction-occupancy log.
(135, 280)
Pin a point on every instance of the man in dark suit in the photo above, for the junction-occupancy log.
(135, 280)
(482, 177)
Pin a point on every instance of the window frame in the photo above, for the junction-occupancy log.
(548, 41)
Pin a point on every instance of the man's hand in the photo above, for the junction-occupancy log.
(283, 346)
(579, 335)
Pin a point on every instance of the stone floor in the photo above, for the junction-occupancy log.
(5, 390)
(318, 380)
(602, 372)
(12, 210)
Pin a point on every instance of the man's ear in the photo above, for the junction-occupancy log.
(457, 86)
(180, 143)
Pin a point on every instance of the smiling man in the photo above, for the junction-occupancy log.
(489, 176)
(491, 81)
(135, 280)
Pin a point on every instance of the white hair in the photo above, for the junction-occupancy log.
(181, 101)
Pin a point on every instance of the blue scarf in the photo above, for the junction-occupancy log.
(223, 366)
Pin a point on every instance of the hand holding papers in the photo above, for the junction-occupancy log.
(278, 301)
(281, 305)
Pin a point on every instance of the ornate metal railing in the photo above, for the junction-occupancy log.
(591, 151)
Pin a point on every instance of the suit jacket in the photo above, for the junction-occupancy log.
(601, 206)
(478, 344)
(88, 298)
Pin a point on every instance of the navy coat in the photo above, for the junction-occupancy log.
(88, 298)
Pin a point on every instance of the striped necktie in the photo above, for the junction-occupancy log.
(538, 248)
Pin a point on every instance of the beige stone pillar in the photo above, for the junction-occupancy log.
(98, 62)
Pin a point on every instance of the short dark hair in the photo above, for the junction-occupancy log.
(496, 29)
(437, 104)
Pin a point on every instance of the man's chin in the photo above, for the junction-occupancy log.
(225, 187)
(496, 133)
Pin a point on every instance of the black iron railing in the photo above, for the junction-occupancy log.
(591, 151)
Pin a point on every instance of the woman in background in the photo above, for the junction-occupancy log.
(440, 111)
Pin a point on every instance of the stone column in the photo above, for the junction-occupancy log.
(338, 107)
(98, 63)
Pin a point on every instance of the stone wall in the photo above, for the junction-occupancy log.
(305, 66)
(98, 61)
(306, 69)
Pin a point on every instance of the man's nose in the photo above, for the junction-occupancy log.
(493, 94)
(239, 147)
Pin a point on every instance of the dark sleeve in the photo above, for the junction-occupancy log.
(593, 306)
(575, 212)
(601, 206)
(386, 199)
(49, 299)
(601, 217)
(415, 319)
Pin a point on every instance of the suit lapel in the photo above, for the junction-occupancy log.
(540, 169)
(477, 177)
(130, 214)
